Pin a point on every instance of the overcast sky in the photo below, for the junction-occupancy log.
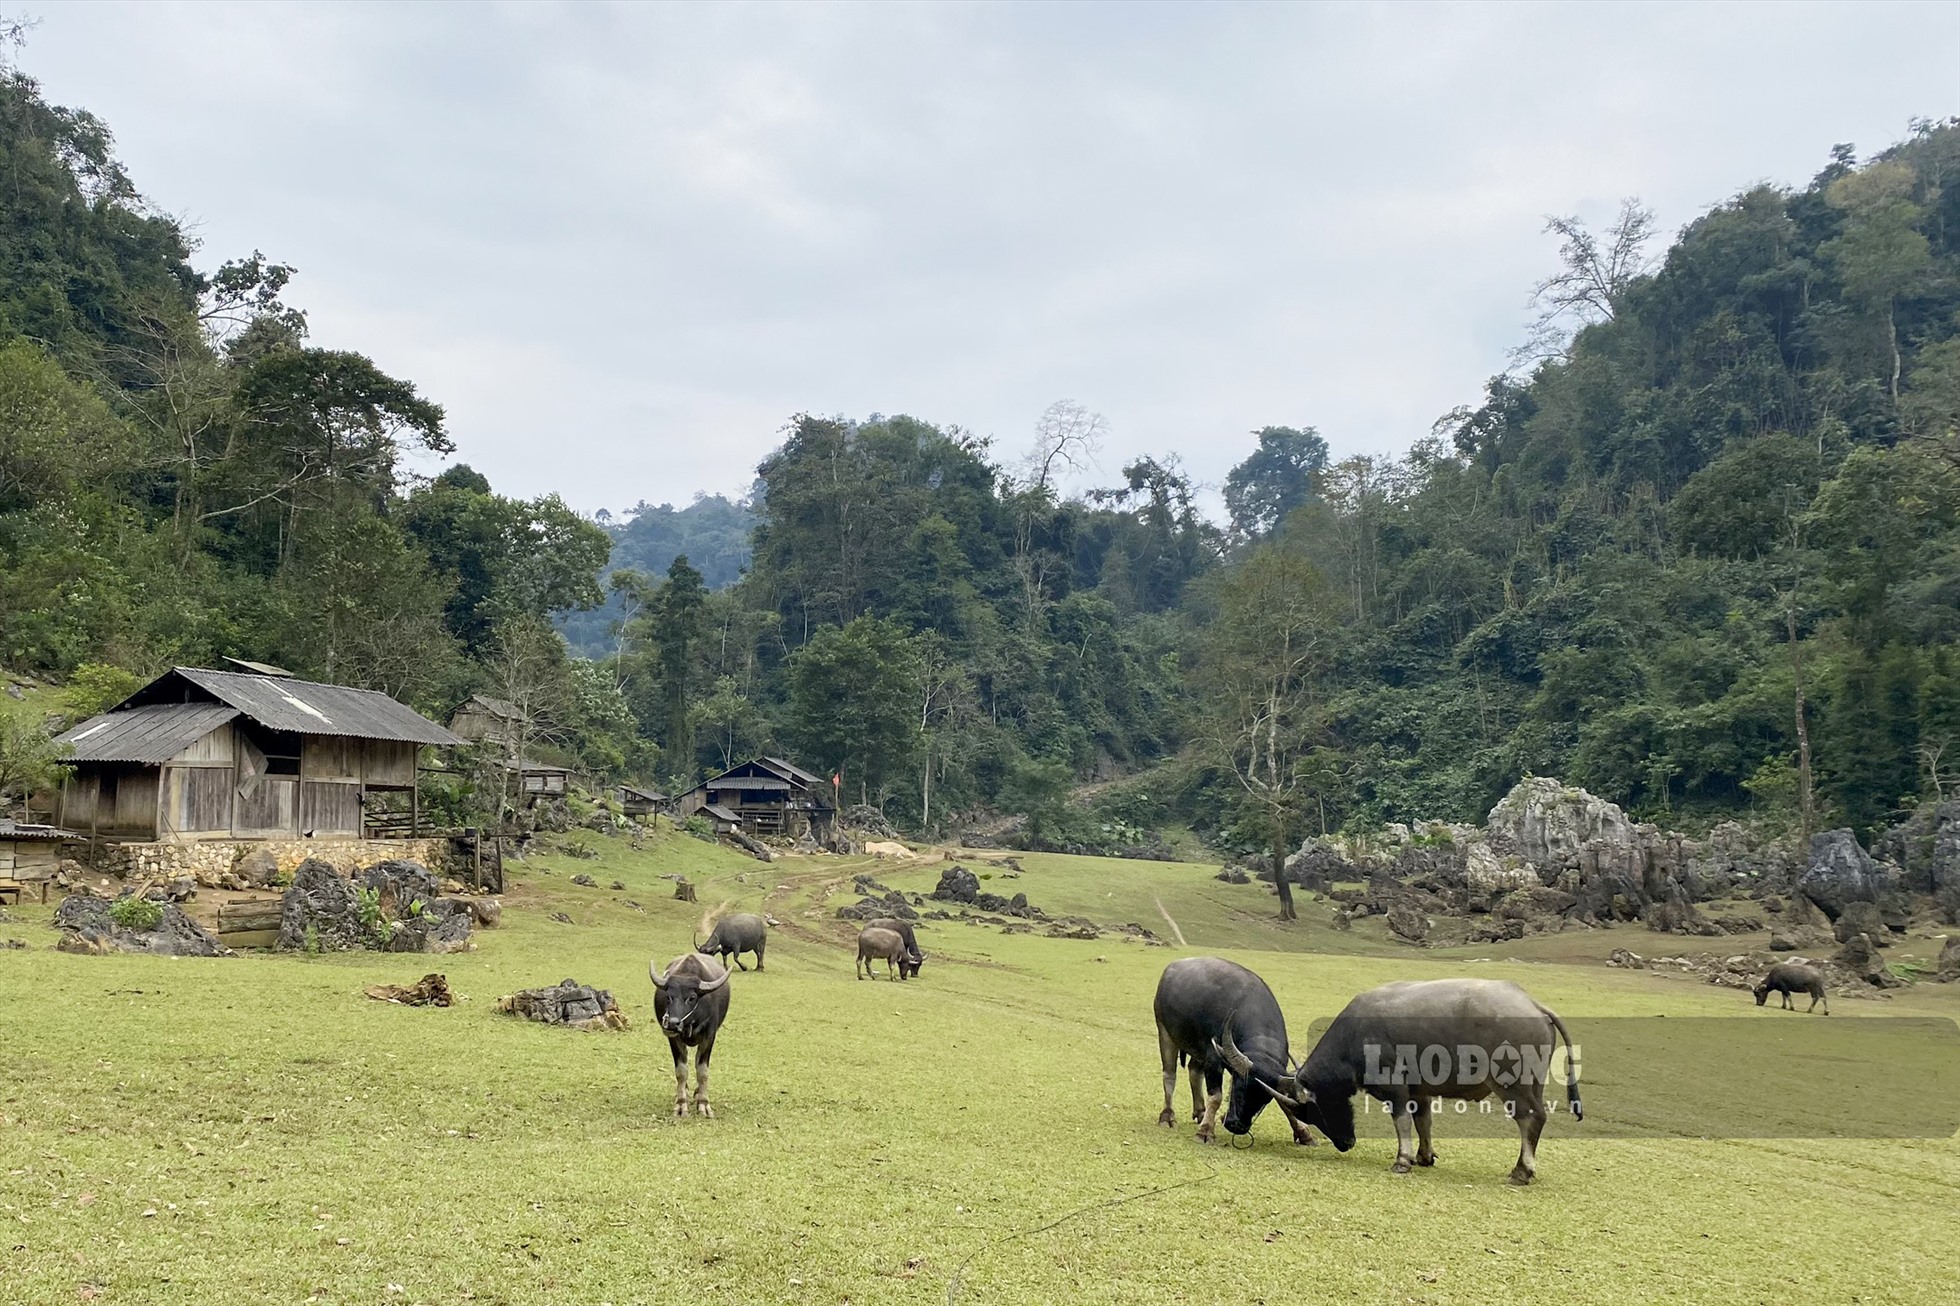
(623, 246)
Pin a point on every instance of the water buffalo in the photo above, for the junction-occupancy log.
(734, 935)
(914, 959)
(878, 944)
(1410, 1043)
(690, 1000)
(1205, 1005)
(1789, 977)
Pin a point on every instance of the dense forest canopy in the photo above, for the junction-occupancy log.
(712, 533)
(1698, 551)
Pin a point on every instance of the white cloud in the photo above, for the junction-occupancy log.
(623, 245)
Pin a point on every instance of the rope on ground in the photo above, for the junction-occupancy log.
(953, 1287)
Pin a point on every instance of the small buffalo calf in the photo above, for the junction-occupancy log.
(1788, 977)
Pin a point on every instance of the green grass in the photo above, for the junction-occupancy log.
(253, 1129)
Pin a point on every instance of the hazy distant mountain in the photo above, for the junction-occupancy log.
(713, 532)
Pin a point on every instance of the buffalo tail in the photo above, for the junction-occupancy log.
(1571, 1069)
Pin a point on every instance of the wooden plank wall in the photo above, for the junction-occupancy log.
(268, 805)
(197, 799)
(327, 807)
(28, 859)
(387, 764)
(215, 787)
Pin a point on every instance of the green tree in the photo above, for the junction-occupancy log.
(29, 760)
(853, 696)
(1259, 679)
(1274, 479)
(677, 617)
(1881, 256)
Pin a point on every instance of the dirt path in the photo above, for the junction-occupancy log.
(707, 921)
(1170, 921)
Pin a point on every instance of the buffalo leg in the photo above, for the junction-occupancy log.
(680, 1076)
(1531, 1123)
(1214, 1093)
(1787, 1004)
(859, 969)
(1301, 1134)
(1404, 1110)
(736, 957)
(1167, 1051)
(1818, 997)
(1197, 1073)
(1425, 1153)
(758, 956)
(701, 1055)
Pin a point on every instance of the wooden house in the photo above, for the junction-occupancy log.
(765, 796)
(482, 718)
(29, 856)
(486, 720)
(198, 754)
(637, 800)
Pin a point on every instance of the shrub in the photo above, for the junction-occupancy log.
(369, 905)
(95, 687)
(133, 913)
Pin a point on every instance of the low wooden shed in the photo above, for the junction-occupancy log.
(200, 754)
(637, 800)
(29, 856)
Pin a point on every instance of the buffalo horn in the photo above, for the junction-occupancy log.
(653, 973)
(1239, 1063)
(714, 984)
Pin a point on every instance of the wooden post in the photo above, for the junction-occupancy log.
(476, 859)
(415, 808)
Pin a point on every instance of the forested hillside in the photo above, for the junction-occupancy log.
(1697, 552)
(712, 532)
(1728, 500)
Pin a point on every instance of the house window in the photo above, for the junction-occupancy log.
(280, 747)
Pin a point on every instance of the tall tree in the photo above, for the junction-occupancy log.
(677, 617)
(1259, 679)
(1881, 254)
(854, 693)
(1274, 479)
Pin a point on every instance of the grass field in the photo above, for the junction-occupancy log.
(252, 1129)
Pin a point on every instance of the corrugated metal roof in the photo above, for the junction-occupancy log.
(794, 770)
(259, 668)
(153, 733)
(716, 809)
(308, 708)
(497, 707)
(760, 783)
(11, 829)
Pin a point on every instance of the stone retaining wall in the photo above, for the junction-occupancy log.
(209, 859)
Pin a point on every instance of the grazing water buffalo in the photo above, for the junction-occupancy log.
(878, 944)
(1205, 1005)
(690, 999)
(1789, 977)
(903, 929)
(734, 935)
(1410, 1043)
